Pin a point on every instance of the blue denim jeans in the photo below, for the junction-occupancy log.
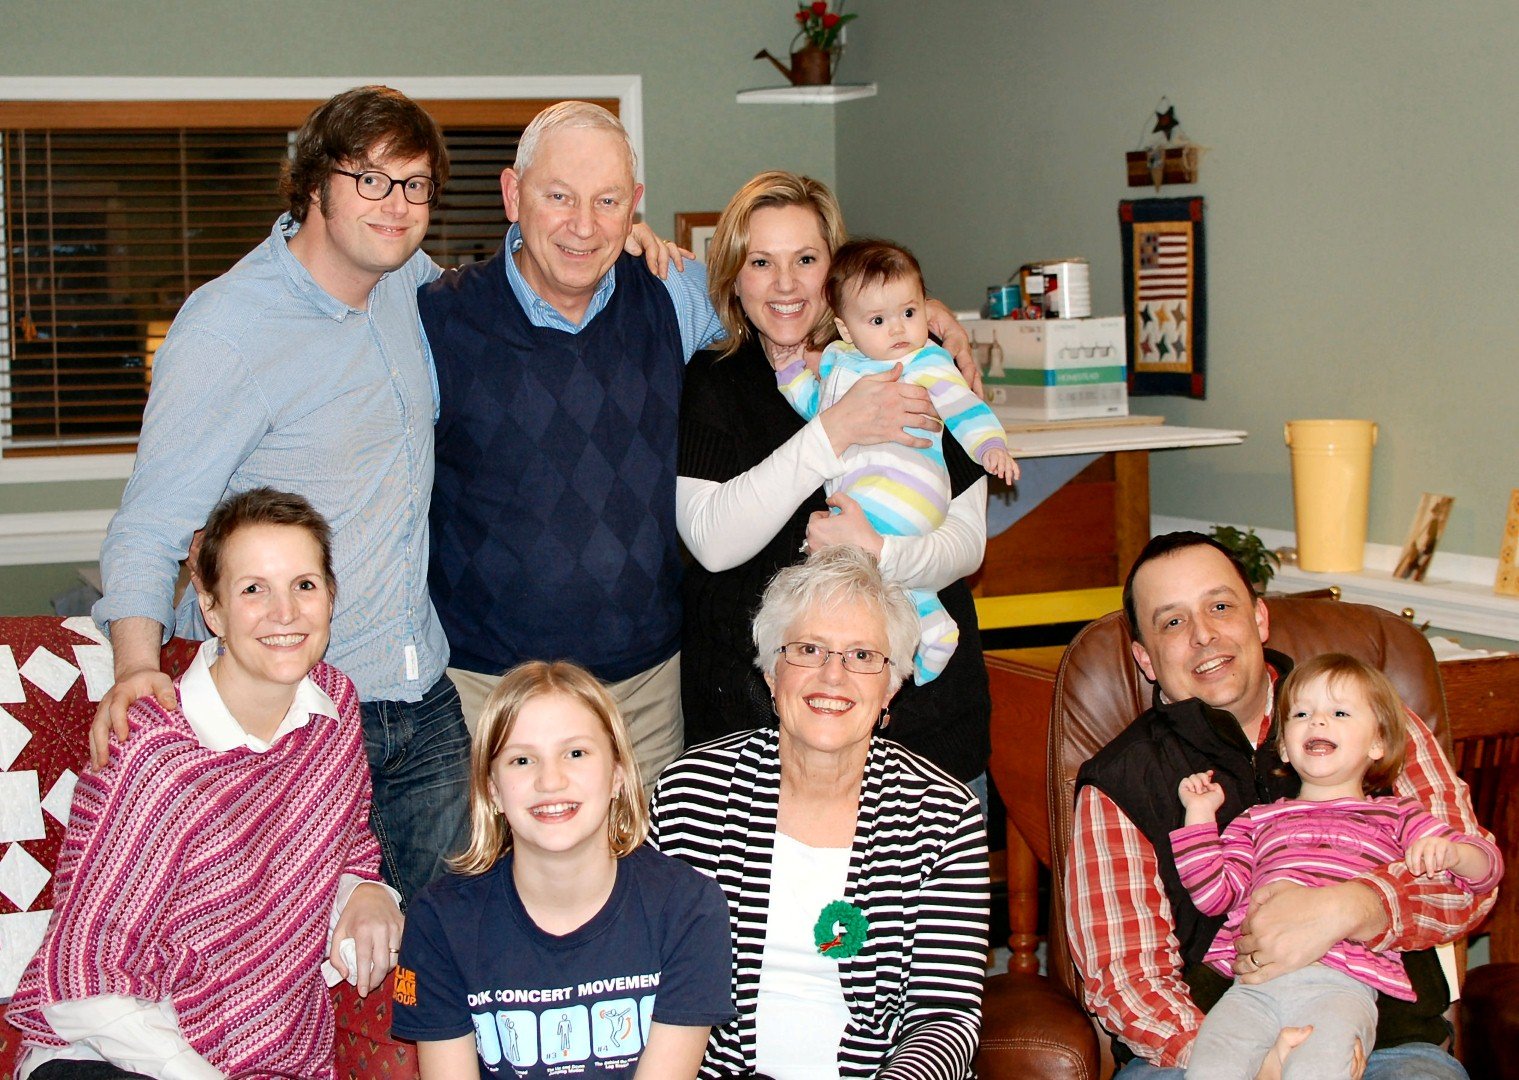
(978, 789)
(1411, 1061)
(419, 764)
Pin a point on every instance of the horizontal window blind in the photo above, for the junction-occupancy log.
(106, 230)
(106, 234)
(469, 221)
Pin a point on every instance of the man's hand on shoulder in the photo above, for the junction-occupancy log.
(111, 714)
(943, 324)
(1291, 926)
(657, 254)
(134, 643)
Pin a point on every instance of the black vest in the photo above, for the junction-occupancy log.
(553, 508)
(1140, 770)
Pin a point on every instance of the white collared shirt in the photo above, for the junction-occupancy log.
(216, 727)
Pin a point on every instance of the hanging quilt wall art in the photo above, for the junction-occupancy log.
(1165, 295)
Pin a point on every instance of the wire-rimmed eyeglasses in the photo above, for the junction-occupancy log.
(809, 654)
(376, 186)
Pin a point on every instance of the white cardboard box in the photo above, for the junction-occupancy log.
(1053, 369)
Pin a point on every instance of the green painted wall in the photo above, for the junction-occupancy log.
(693, 55)
(1363, 235)
(28, 590)
(1361, 231)
(699, 144)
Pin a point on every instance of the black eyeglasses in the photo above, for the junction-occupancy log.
(809, 654)
(376, 186)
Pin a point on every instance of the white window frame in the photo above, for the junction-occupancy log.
(627, 89)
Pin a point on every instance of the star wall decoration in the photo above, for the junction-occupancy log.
(1166, 122)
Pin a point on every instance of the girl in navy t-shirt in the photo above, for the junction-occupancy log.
(561, 946)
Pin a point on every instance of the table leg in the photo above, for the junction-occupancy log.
(1022, 903)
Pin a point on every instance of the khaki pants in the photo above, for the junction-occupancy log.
(650, 704)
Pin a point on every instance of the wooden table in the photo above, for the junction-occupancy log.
(1061, 563)
(1086, 534)
(1023, 689)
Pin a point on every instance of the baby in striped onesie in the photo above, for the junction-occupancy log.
(1342, 729)
(876, 292)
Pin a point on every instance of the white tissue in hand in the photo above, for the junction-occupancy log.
(349, 954)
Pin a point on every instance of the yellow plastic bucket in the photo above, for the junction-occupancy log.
(1331, 491)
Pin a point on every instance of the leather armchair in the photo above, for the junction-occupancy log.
(1099, 690)
(1032, 1029)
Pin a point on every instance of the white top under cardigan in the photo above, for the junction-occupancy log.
(800, 1012)
(917, 869)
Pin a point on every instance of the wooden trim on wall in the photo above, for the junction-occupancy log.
(269, 113)
(504, 112)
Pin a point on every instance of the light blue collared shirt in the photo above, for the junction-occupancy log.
(699, 324)
(266, 379)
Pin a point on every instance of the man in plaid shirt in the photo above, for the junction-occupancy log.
(1199, 636)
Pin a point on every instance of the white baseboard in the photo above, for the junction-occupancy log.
(63, 536)
(65, 467)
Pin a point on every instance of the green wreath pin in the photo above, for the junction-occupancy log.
(840, 929)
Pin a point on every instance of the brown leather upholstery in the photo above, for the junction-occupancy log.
(1032, 1030)
(1099, 690)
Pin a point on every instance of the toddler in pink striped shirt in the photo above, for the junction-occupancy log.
(1341, 727)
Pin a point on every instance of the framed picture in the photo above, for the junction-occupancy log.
(1423, 535)
(693, 231)
(1508, 558)
(1165, 295)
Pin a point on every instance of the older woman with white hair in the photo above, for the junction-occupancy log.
(855, 870)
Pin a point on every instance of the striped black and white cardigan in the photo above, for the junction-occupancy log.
(917, 870)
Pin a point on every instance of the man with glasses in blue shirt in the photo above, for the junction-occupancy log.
(303, 368)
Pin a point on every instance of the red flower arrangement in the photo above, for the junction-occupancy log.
(819, 26)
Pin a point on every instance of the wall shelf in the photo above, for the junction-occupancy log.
(806, 95)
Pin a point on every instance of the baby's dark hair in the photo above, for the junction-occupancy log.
(259, 506)
(867, 262)
(1386, 706)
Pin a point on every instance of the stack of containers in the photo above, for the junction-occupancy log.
(1049, 360)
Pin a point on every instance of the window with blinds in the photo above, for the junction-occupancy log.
(108, 222)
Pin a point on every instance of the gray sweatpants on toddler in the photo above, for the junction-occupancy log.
(1241, 1028)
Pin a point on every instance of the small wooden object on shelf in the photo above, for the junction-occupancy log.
(1423, 535)
(1508, 557)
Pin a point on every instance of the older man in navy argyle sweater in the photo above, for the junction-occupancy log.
(560, 362)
